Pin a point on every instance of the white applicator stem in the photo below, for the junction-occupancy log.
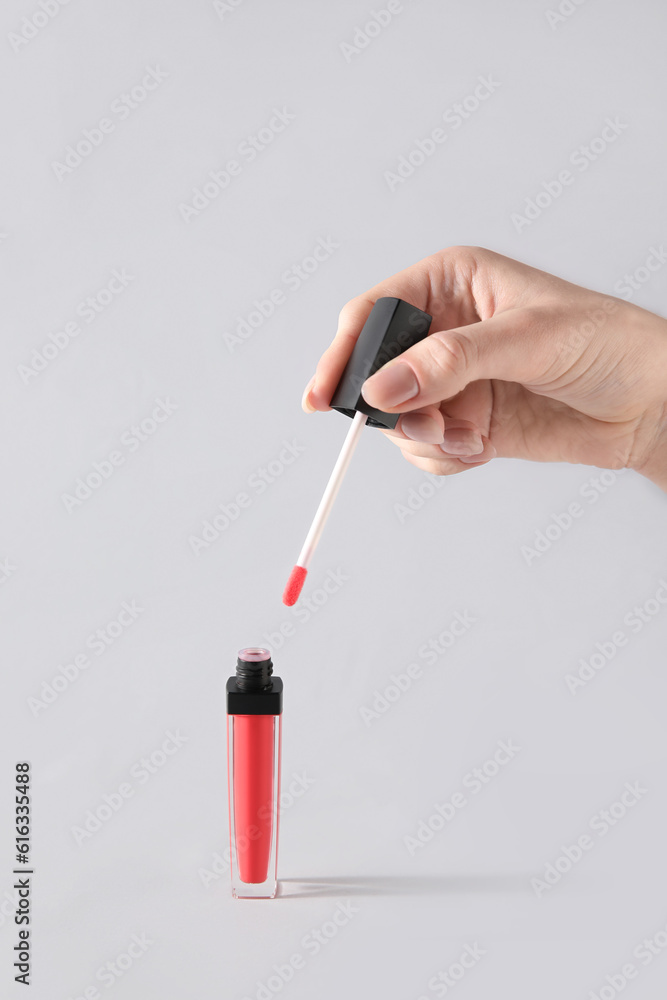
(331, 491)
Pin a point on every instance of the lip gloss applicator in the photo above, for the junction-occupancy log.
(392, 326)
(298, 575)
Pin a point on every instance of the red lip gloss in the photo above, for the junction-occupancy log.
(254, 709)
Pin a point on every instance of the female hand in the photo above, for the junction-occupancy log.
(519, 364)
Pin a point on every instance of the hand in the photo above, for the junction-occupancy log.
(519, 364)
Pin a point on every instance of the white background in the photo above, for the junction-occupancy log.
(370, 784)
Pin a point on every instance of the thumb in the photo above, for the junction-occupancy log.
(517, 346)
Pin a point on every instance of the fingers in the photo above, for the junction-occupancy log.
(467, 431)
(426, 425)
(468, 419)
(432, 459)
(513, 345)
(458, 287)
(481, 458)
(460, 446)
(462, 441)
(440, 285)
(331, 364)
(305, 399)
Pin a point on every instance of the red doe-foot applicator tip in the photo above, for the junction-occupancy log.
(294, 585)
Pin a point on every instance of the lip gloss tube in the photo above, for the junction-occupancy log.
(254, 710)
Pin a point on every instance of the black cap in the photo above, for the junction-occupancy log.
(391, 328)
(254, 690)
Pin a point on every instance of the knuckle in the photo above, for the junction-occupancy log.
(351, 311)
(345, 312)
(467, 254)
(451, 353)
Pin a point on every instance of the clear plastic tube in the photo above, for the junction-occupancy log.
(253, 759)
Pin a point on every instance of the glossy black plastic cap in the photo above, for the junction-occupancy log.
(391, 328)
(254, 690)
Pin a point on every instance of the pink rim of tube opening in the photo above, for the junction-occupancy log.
(254, 654)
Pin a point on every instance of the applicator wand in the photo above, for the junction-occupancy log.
(391, 328)
(298, 574)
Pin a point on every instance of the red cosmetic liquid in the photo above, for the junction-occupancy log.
(253, 793)
(254, 712)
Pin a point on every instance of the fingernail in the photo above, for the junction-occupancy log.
(421, 427)
(391, 386)
(305, 401)
(489, 453)
(462, 441)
